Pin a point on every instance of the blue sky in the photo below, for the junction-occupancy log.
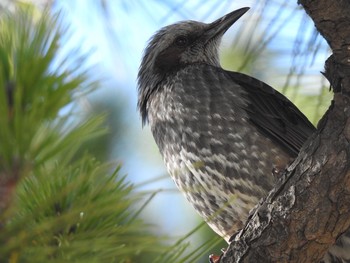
(115, 41)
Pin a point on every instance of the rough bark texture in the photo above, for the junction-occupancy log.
(309, 210)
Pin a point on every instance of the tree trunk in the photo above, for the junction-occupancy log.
(310, 208)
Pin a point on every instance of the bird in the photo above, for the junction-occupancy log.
(223, 135)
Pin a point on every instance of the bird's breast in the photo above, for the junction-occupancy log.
(212, 152)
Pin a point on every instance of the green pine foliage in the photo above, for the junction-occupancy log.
(58, 204)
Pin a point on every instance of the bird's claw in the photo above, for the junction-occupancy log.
(214, 258)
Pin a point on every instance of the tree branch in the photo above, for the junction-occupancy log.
(309, 209)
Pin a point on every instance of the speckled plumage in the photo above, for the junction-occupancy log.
(220, 133)
(215, 156)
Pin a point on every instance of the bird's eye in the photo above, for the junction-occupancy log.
(181, 41)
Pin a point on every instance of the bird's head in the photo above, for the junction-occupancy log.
(178, 45)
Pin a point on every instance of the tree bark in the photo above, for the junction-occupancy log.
(310, 208)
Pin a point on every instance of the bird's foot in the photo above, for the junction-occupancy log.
(233, 236)
(216, 259)
(277, 171)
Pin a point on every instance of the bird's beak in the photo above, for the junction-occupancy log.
(220, 26)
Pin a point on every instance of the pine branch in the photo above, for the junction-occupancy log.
(57, 203)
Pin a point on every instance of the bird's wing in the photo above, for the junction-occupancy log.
(274, 115)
